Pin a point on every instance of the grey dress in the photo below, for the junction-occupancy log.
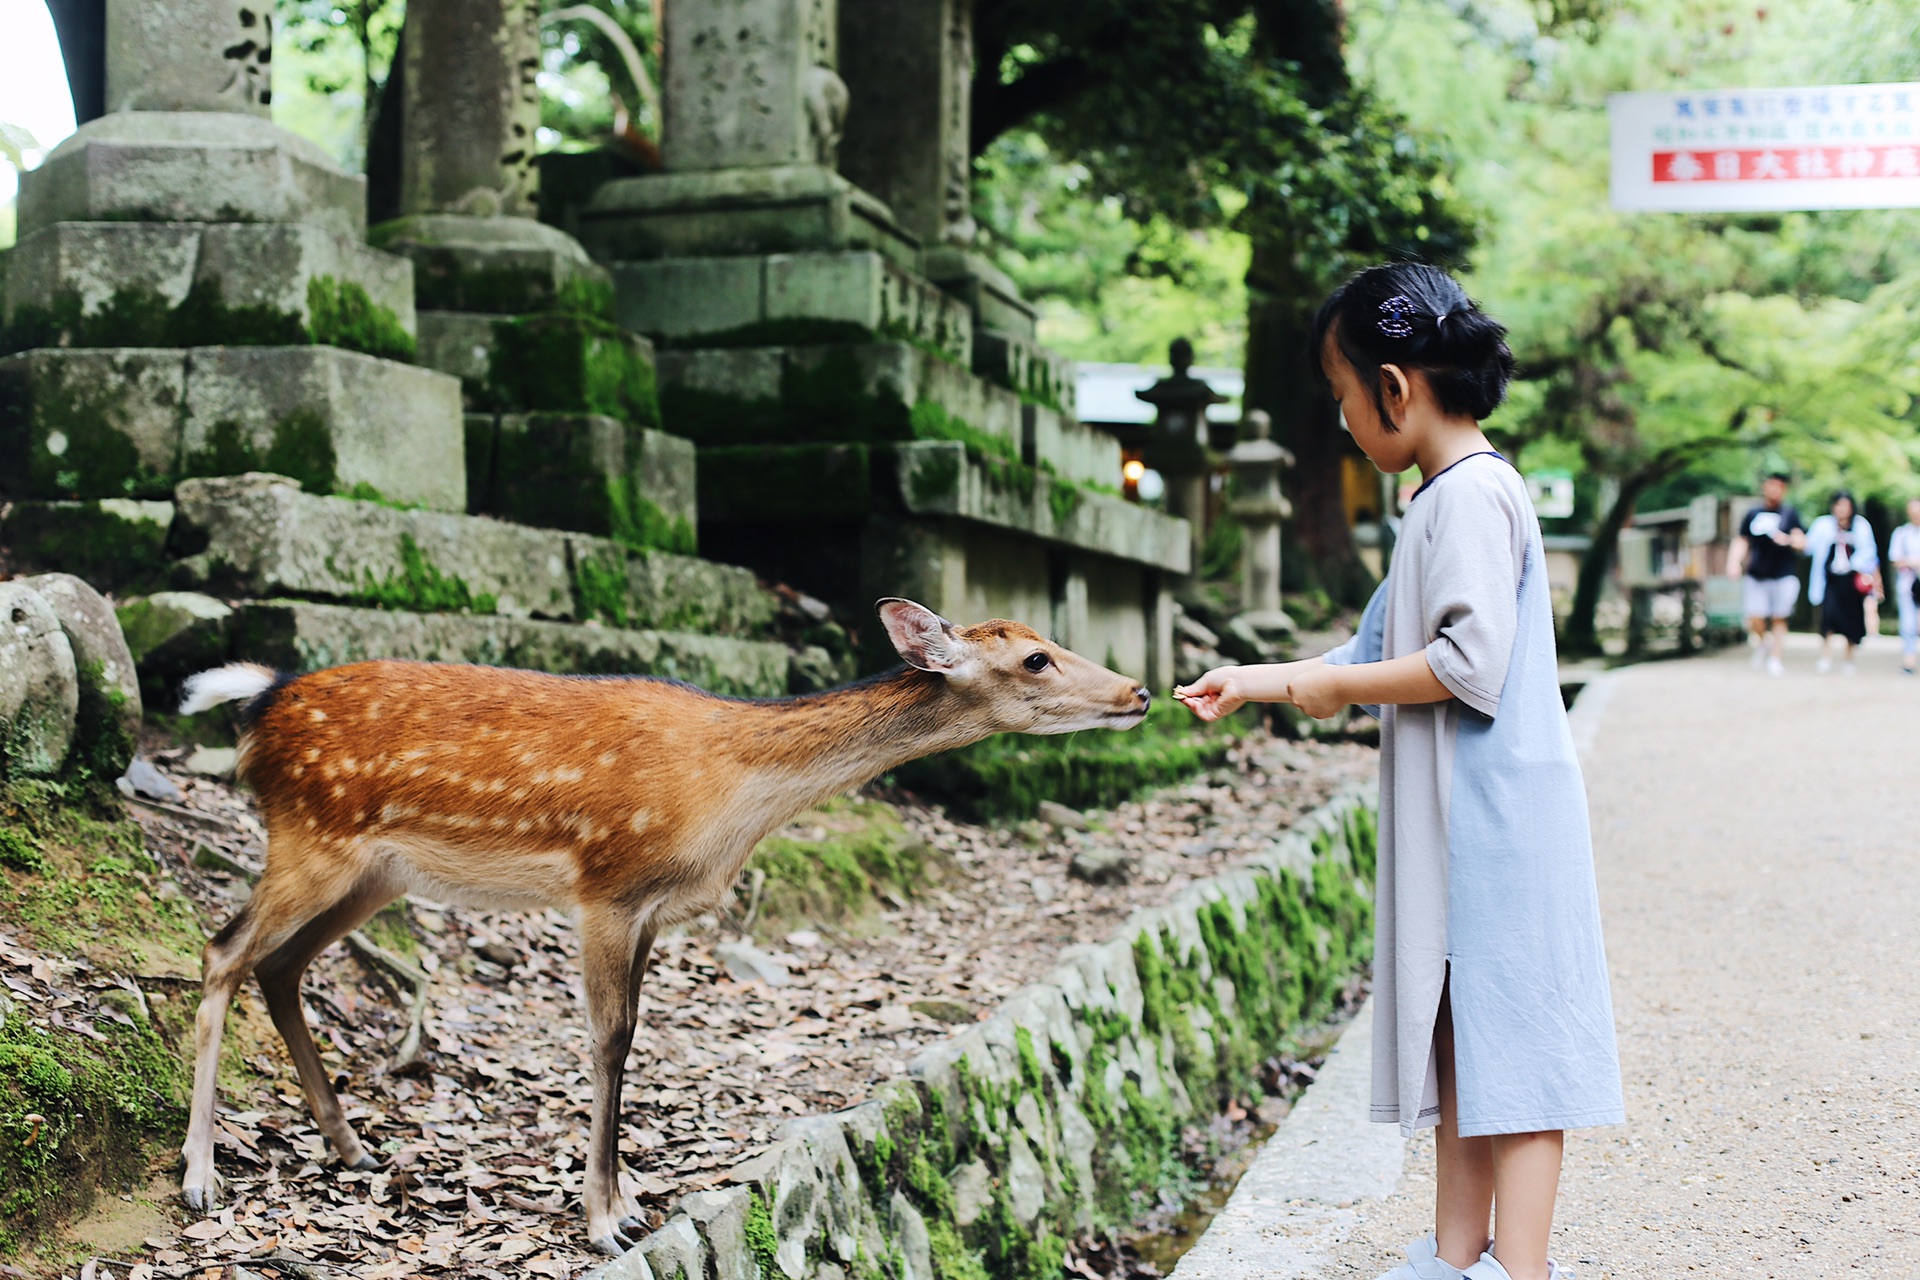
(1486, 882)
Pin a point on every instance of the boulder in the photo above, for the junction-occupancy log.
(1060, 817)
(1102, 866)
(39, 684)
(110, 711)
(747, 963)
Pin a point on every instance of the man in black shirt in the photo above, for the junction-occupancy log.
(1764, 555)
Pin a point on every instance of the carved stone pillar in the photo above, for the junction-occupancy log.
(472, 108)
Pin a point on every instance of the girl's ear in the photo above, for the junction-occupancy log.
(1396, 387)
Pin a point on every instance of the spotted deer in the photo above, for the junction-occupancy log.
(633, 803)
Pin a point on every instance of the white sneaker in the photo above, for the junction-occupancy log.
(1775, 667)
(1489, 1268)
(1823, 666)
(1424, 1263)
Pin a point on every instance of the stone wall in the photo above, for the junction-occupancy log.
(1060, 1114)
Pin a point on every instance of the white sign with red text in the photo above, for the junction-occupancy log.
(1844, 146)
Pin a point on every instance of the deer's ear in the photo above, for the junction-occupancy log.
(922, 637)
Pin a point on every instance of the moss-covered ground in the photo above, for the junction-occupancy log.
(1005, 778)
(87, 1099)
(835, 865)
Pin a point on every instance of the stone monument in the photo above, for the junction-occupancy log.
(1256, 462)
(562, 419)
(864, 429)
(1178, 445)
(191, 293)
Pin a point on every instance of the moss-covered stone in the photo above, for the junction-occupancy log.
(84, 1114)
(117, 544)
(785, 482)
(339, 313)
(89, 424)
(299, 446)
(419, 586)
(571, 364)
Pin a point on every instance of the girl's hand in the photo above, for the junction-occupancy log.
(1218, 693)
(1314, 689)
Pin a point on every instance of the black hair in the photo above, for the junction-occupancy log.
(1838, 494)
(1781, 476)
(1418, 317)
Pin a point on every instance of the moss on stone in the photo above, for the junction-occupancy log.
(600, 588)
(570, 364)
(299, 445)
(63, 437)
(762, 1241)
(80, 1114)
(420, 587)
(114, 550)
(785, 482)
(637, 521)
(340, 313)
(789, 332)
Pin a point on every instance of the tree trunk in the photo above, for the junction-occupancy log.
(1282, 379)
(1580, 636)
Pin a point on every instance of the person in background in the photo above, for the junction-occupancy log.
(1846, 570)
(1903, 548)
(1762, 557)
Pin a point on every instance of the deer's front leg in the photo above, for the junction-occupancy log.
(613, 949)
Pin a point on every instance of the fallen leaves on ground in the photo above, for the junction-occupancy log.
(483, 1144)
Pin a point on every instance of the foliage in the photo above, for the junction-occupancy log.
(587, 89)
(333, 58)
(1661, 352)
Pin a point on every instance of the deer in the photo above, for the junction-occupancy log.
(631, 802)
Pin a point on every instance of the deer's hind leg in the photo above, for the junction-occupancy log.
(614, 945)
(279, 973)
(282, 905)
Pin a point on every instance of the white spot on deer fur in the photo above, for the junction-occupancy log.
(298, 771)
(523, 826)
(568, 775)
(313, 753)
(316, 714)
(607, 758)
(640, 821)
(338, 791)
(418, 770)
(349, 765)
(398, 813)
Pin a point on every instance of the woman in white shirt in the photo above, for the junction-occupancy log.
(1903, 548)
(1846, 570)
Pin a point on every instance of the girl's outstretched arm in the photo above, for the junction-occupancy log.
(1224, 690)
(1321, 689)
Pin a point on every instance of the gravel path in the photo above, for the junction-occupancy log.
(1756, 847)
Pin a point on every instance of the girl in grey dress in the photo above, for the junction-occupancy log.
(1493, 1019)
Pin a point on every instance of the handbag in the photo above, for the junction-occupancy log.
(1863, 583)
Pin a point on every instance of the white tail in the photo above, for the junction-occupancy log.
(239, 682)
(633, 803)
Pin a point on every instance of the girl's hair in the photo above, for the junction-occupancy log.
(1839, 494)
(1417, 317)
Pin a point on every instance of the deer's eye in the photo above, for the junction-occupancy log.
(1036, 662)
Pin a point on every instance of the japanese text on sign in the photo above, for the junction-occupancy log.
(1737, 150)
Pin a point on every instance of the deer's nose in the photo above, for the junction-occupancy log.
(1146, 699)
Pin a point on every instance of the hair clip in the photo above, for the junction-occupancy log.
(1396, 316)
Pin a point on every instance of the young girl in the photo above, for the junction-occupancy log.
(1492, 1016)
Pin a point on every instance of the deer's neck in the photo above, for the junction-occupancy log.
(822, 744)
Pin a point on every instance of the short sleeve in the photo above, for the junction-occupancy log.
(1470, 595)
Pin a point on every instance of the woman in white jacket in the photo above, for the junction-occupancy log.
(1846, 571)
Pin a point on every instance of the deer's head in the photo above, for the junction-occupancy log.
(1011, 676)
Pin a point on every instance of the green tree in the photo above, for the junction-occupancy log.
(1237, 114)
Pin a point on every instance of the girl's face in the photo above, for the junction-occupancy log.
(1387, 448)
(1913, 511)
(1843, 510)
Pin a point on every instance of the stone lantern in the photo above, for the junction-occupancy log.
(1177, 444)
(1256, 462)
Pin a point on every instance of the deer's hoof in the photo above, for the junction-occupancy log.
(366, 1161)
(633, 1228)
(197, 1198)
(613, 1244)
